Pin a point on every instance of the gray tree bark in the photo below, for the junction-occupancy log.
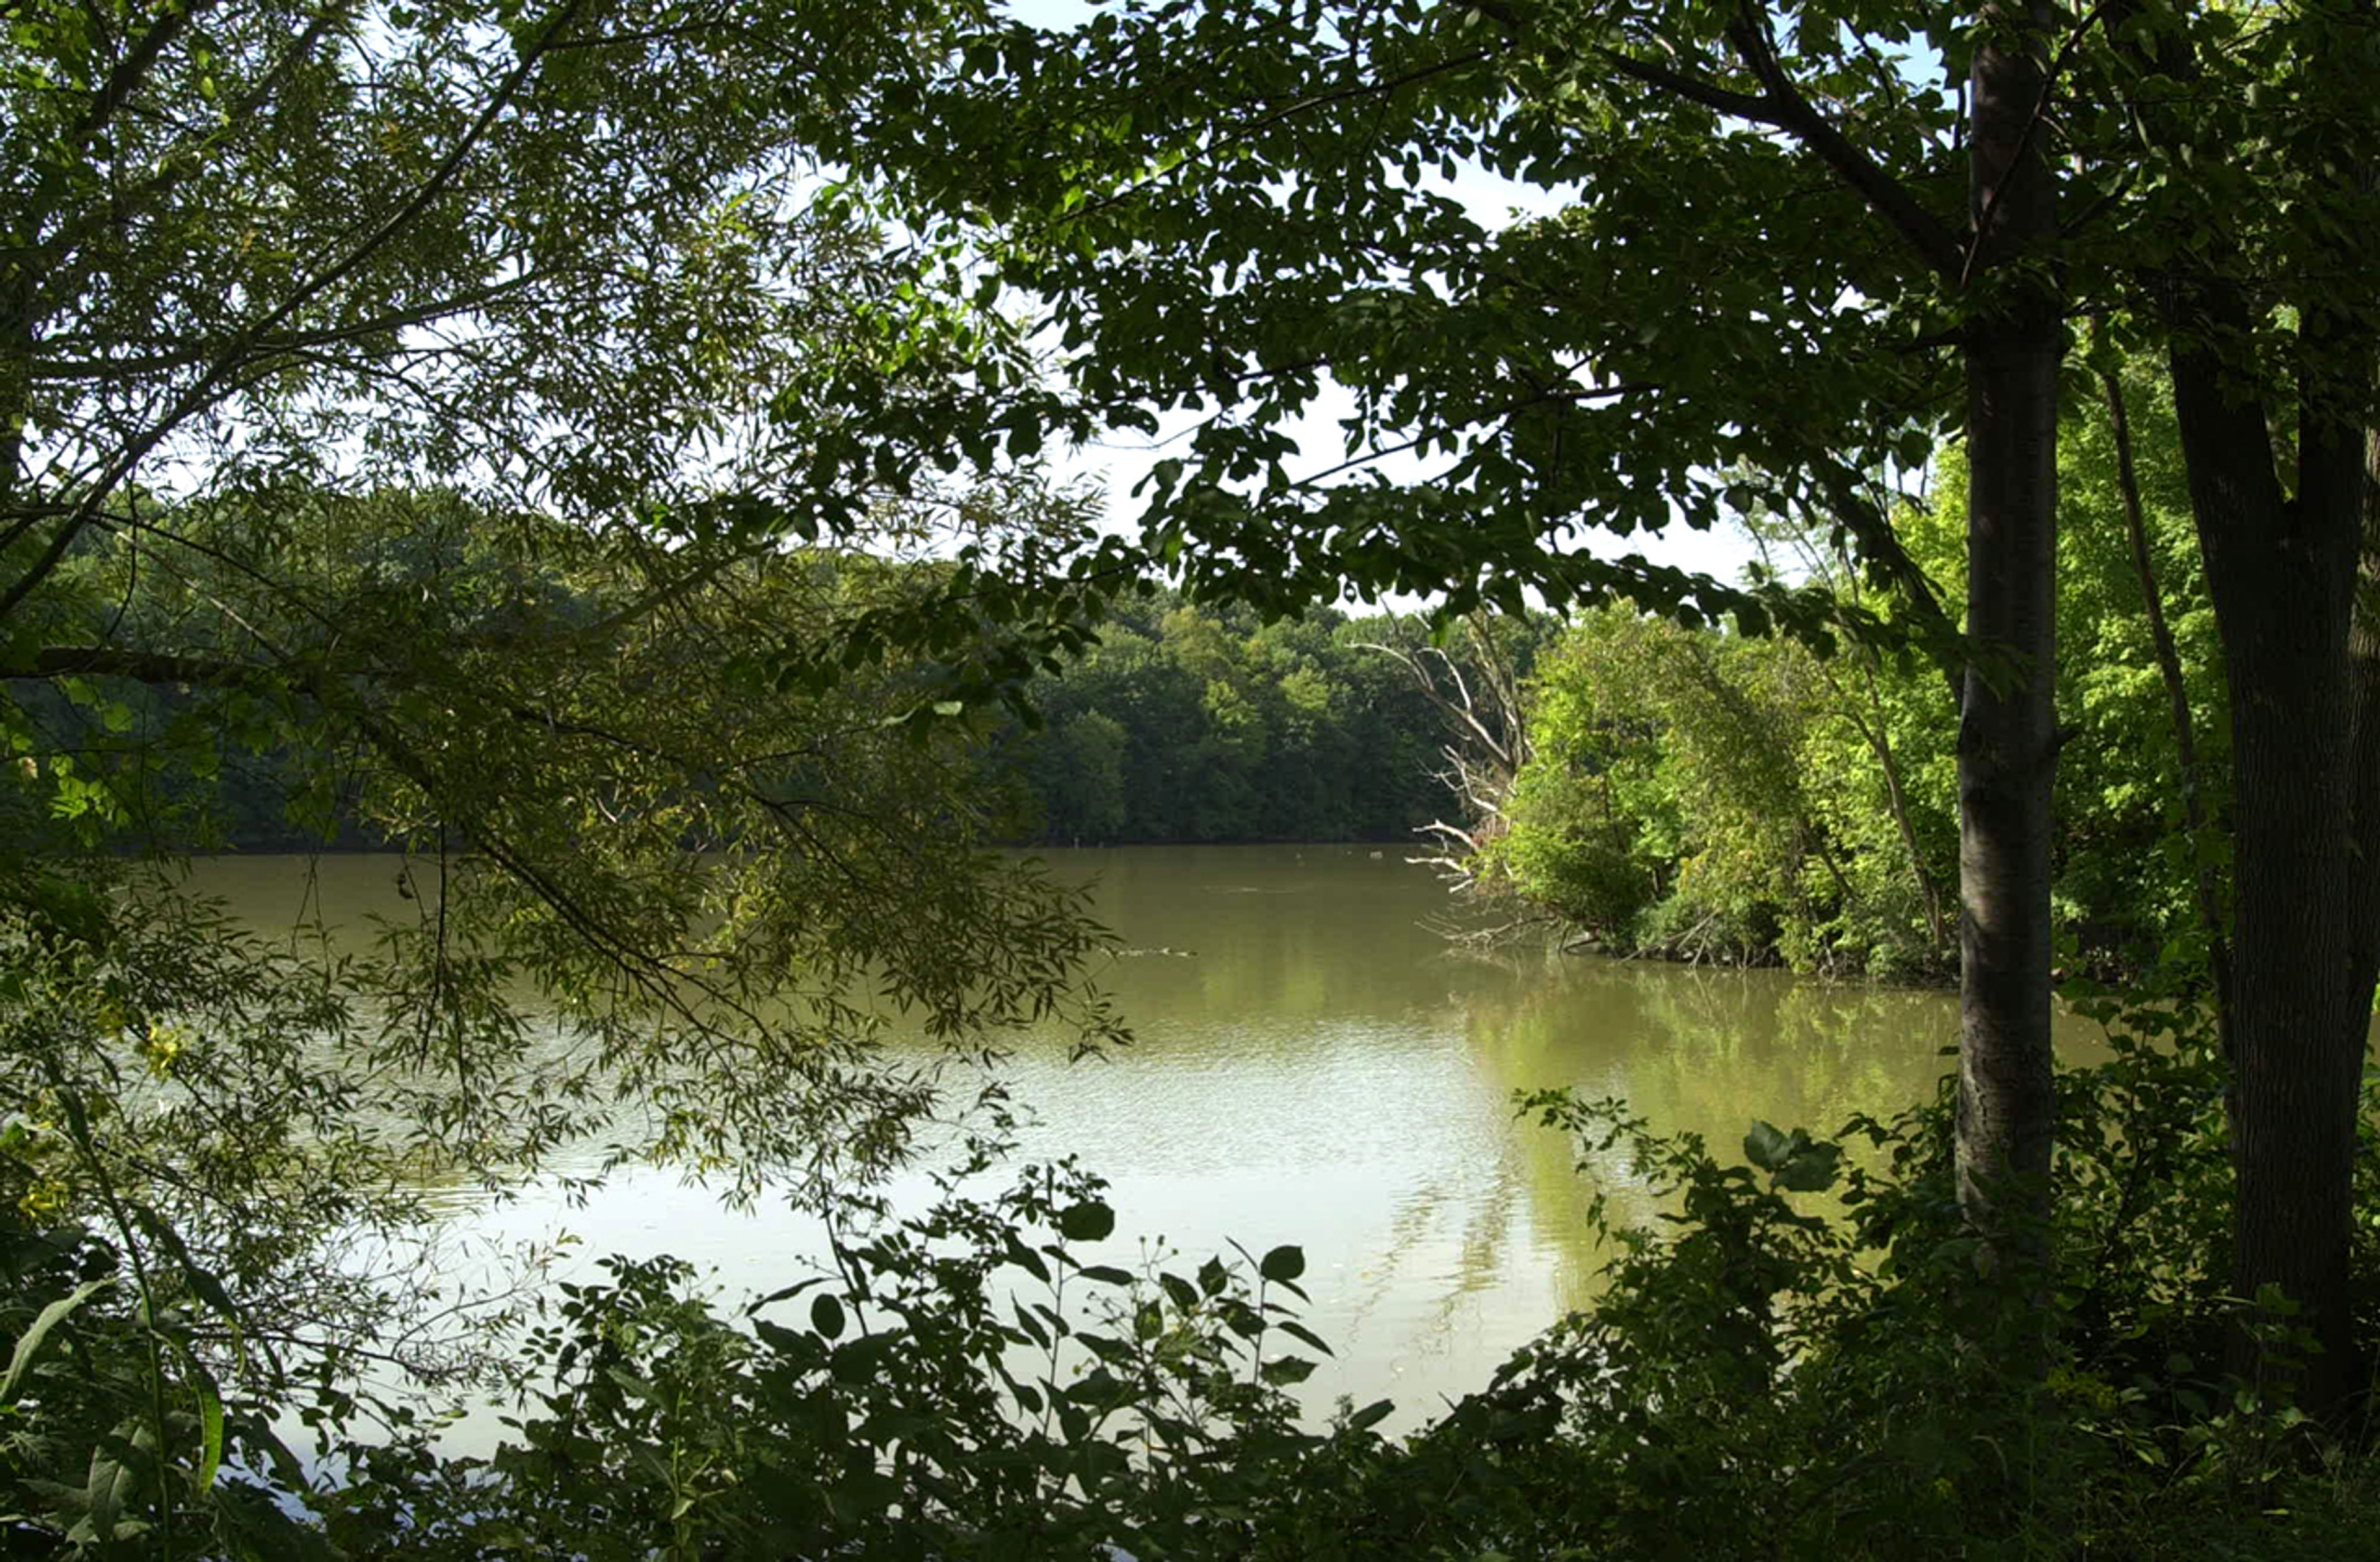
(2007, 727)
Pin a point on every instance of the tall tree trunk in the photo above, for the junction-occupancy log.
(2282, 572)
(2006, 729)
(2305, 677)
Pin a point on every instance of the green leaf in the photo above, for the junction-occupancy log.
(203, 1280)
(1089, 1222)
(1242, 1318)
(826, 1315)
(1765, 1146)
(1286, 1370)
(1812, 1167)
(104, 1493)
(210, 1440)
(1031, 1326)
(1024, 1258)
(1283, 1264)
(210, 1414)
(1299, 1332)
(30, 1343)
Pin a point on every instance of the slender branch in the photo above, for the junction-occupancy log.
(1552, 394)
(1790, 111)
(126, 79)
(230, 361)
(668, 591)
(2185, 742)
(142, 667)
(1760, 110)
(97, 368)
(1780, 104)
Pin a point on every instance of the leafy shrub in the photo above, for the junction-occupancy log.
(1800, 1358)
(963, 1386)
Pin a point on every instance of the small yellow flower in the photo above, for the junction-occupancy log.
(161, 1048)
(45, 1198)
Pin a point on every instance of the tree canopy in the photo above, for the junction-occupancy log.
(428, 396)
(1787, 263)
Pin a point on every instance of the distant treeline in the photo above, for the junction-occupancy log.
(1184, 725)
(1189, 724)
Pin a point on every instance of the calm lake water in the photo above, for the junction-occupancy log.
(1315, 1064)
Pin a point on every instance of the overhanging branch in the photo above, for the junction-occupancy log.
(142, 667)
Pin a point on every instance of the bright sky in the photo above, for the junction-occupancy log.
(1492, 201)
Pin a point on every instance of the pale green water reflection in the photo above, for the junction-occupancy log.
(1316, 1065)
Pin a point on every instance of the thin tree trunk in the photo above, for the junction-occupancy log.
(1873, 723)
(2185, 739)
(15, 404)
(1896, 796)
(2006, 729)
(2364, 758)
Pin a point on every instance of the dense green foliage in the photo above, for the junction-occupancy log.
(1713, 797)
